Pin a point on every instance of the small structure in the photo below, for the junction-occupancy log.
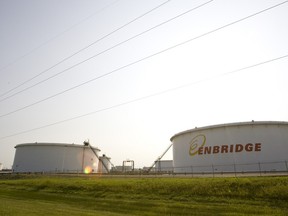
(120, 168)
(104, 164)
(164, 166)
(124, 165)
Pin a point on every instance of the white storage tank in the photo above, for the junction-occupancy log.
(164, 166)
(235, 147)
(55, 157)
(104, 164)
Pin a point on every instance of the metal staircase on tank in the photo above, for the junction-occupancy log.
(86, 143)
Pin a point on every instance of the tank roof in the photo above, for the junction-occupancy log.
(56, 144)
(230, 125)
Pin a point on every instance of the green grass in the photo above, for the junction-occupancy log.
(91, 195)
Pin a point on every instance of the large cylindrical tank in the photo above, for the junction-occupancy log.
(235, 147)
(55, 157)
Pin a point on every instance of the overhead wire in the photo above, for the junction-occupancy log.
(52, 39)
(145, 97)
(106, 50)
(40, 101)
(77, 52)
(138, 61)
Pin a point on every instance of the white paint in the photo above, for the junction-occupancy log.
(104, 164)
(54, 157)
(270, 138)
(164, 166)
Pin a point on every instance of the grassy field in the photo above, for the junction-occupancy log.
(92, 195)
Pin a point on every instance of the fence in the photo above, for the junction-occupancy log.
(263, 168)
(213, 170)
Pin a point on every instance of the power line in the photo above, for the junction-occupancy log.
(106, 50)
(45, 99)
(81, 50)
(52, 39)
(140, 60)
(145, 97)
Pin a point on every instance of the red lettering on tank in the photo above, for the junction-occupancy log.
(195, 149)
(257, 146)
(231, 148)
(216, 149)
(239, 148)
(200, 151)
(207, 150)
(249, 147)
(224, 149)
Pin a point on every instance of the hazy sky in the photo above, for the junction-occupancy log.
(36, 36)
